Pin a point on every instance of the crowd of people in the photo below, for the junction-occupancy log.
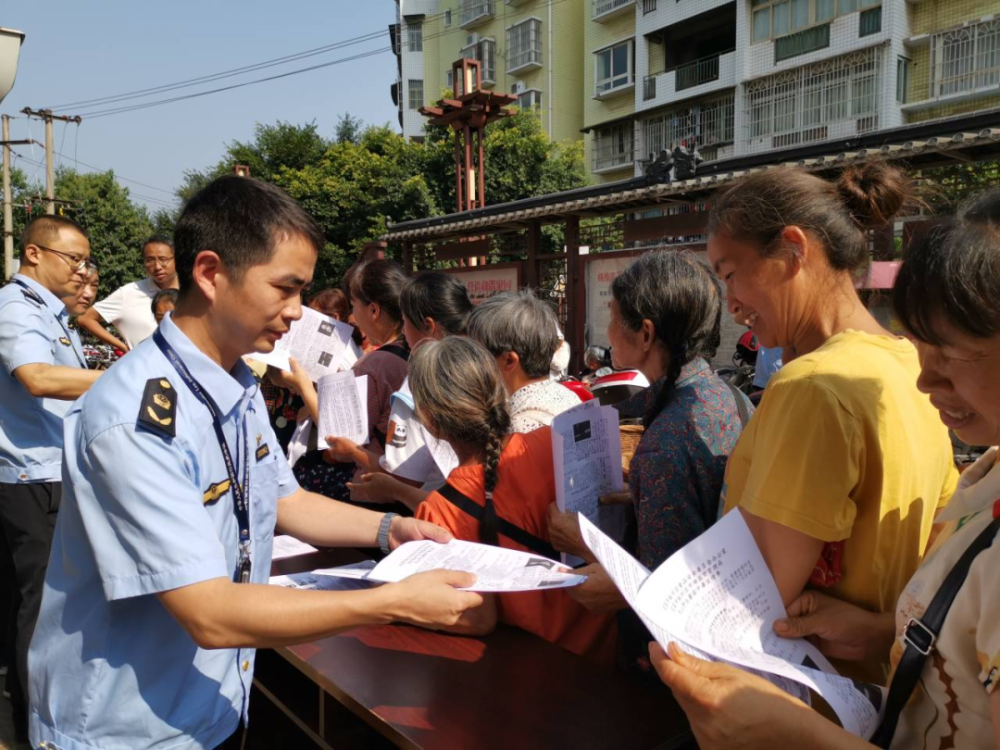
(139, 505)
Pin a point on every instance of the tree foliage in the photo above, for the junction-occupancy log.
(364, 178)
(117, 226)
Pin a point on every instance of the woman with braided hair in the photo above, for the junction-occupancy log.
(666, 311)
(500, 491)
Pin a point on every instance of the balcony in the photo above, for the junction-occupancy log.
(515, 3)
(964, 65)
(605, 9)
(475, 12)
(697, 73)
(697, 78)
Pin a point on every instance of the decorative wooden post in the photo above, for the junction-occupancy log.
(467, 114)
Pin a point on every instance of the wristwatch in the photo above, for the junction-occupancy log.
(383, 532)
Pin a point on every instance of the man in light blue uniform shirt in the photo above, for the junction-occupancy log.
(43, 371)
(155, 598)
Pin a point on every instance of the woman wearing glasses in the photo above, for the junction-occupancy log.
(128, 308)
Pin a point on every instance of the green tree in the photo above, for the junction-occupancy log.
(117, 226)
(348, 129)
(354, 189)
(365, 178)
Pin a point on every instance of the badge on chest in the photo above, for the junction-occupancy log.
(215, 491)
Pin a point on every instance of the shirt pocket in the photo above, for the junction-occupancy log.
(264, 499)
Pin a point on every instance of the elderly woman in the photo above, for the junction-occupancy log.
(522, 334)
(666, 311)
(948, 297)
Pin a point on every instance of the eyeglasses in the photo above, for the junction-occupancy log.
(152, 262)
(78, 264)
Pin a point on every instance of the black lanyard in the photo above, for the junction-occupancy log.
(240, 492)
(34, 296)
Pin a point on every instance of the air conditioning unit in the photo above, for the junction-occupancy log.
(471, 39)
(518, 87)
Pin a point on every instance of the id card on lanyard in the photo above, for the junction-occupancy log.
(33, 295)
(240, 491)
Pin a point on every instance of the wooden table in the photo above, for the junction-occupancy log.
(420, 689)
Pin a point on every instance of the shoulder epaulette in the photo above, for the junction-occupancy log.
(32, 298)
(159, 407)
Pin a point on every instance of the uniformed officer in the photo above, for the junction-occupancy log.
(147, 633)
(43, 372)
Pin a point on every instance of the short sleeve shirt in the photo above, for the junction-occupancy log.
(411, 452)
(525, 489)
(845, 449)
(143, 513)
(129, 309)
(33, 330)
(537, 404)
(951, 704)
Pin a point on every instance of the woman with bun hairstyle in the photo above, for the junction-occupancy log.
(845, 463)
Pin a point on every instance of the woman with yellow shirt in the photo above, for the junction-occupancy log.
(841, 470)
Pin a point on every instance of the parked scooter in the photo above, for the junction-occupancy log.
(744, 366)
(606, 384)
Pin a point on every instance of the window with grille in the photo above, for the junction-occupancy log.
(966, 59)
(707, 124)
(415, 93)
(524, 44)
(414, 37)
(613, 68)
(772, 19)
(801, 105)
(613, 146)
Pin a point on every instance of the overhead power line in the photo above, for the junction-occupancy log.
(160, 102)
(159, 201)
(139, 93)
(142, 93)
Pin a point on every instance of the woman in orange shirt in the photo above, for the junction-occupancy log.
(500, 492)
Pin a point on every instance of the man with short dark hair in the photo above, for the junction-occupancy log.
(128, 307)
(43, 371)
(157, 593)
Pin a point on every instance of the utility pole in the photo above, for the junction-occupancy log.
(8, 217)
(50, 169)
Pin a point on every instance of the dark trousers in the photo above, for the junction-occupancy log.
(28, 516)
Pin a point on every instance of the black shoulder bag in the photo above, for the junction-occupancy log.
(921, 634)
(509, 530)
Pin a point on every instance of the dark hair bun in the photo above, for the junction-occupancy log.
(873, 192)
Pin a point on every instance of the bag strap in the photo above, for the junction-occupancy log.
(741, 405)
(922, 633)
(400, 350)
(509, 530)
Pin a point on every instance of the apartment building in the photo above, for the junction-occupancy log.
(530, 48)
(407, 35)
(736, 77)
(609, 69)
(950, 61)
(756, 76)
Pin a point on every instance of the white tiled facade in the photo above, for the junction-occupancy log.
(411, 14)
(844, 80)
